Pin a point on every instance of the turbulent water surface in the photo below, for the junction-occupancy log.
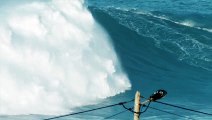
(62, 56)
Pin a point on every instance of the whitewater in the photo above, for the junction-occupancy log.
(53, 54)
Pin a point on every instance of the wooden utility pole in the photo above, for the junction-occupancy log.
(137, 106)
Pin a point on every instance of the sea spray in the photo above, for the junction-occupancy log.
(53, 54)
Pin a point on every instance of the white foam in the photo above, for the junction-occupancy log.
(187, 23)
(54, 57)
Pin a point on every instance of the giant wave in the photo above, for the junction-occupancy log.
(51, 55)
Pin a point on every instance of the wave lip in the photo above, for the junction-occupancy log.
(52, 55)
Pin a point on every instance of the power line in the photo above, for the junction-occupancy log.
(121, 103)
(170, 113)
(130, 109)
(116, 114)
(147, 106)
(188, 109)
(183, 108)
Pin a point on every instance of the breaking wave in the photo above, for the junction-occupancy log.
(53, 54)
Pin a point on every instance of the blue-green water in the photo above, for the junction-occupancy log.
(159, 45)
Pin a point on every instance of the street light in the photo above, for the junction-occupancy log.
(157, 95)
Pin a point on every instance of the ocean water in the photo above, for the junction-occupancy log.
(63, 56)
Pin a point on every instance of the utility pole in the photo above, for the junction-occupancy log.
(155, 96)
(137, 106)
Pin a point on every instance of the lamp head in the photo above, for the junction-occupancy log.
(157, 95)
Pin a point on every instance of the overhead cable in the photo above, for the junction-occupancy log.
(188, 109)
(116, 114)
(60, 116)
(171, 113)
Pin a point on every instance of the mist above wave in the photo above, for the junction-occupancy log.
(51, 55)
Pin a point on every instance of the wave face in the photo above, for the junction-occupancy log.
(190, 42)
(163, 50)
(54, 57)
